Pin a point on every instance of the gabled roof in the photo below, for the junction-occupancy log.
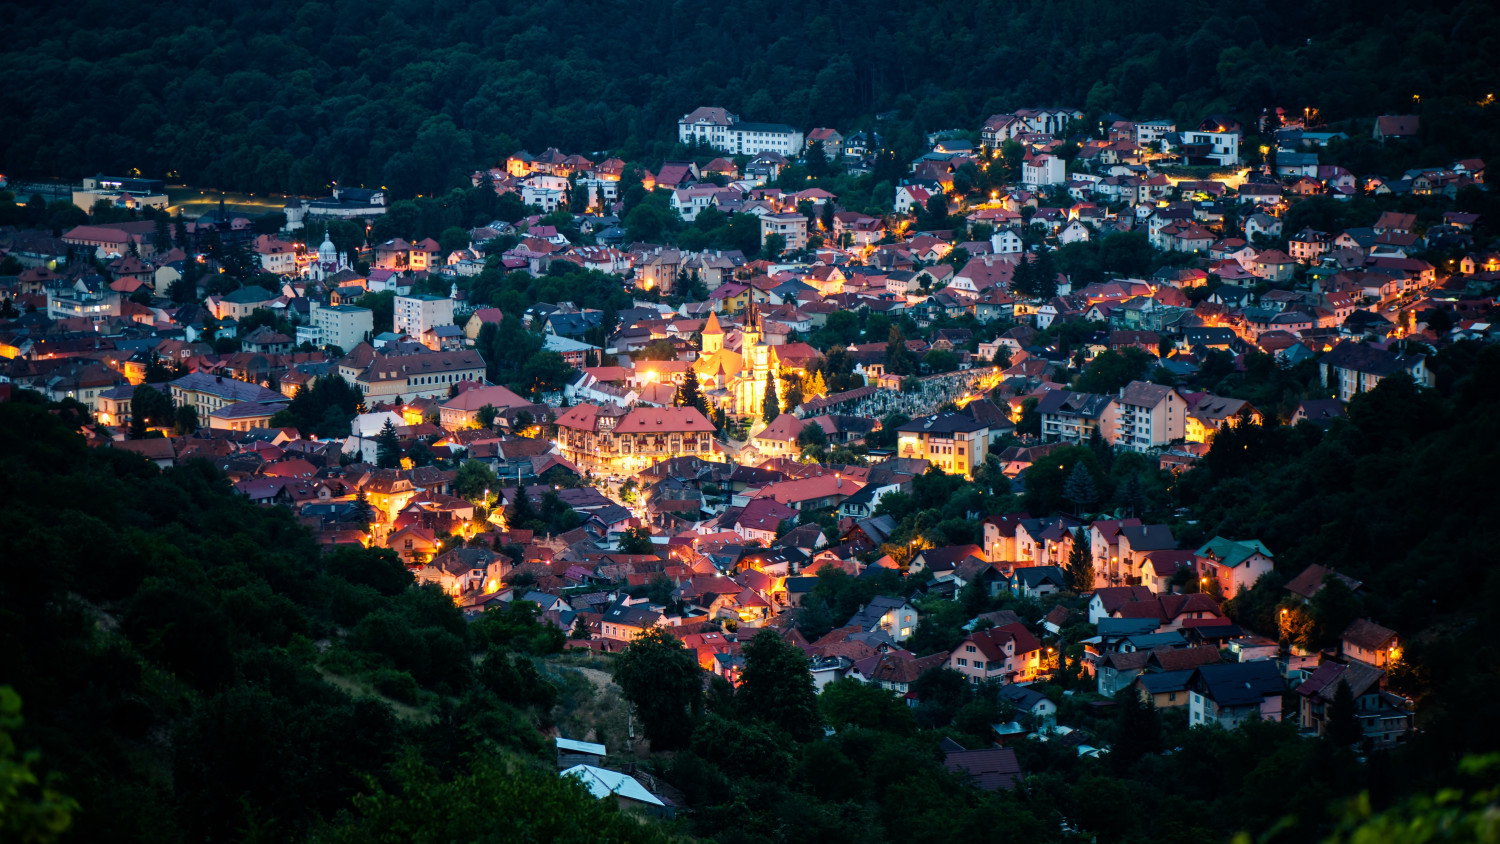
(1230, 553)
(1240, 683)
(1368, 635)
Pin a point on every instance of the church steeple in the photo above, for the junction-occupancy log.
(713, 335)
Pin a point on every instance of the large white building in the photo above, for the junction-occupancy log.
(345, 326)
(416, 314)
(1221, 148)
(725, 132)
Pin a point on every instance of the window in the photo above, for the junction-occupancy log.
(963, 662)
(969, 649)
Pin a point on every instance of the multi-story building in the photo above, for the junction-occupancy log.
(275, 255)
(345, 326)
(240, 303)
(1009, 654)
(207, 393)
(1043, 170)
(1232, 566)
(791, 227)
(88, 297)
(415, 314)
(609, 439)
(725, 132)
(1148, 132)
(1221, 148)
(1145, 416)
(954, 442)
(1353, 368)
(425, 374)
(1070, 417)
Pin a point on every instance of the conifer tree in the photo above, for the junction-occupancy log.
(1079, 488)
(815, 387)
(387, 447)
(1081, 565)
(770, 406)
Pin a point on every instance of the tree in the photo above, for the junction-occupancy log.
(1079, 488)
(545, 372)
(792, 396)
(898, 359)
(387, 447)
(1343, 718)
(473, 479)
(815, 388)
(773, 246)
(636, 540)
(770, 406)
(1081, 564)
(850, 703)
(1133, 495)
(661, 678)
(149, 408)
(690, 393)
(31, 808)
(777, 686)
(361, 512)
(940, 360)
(1138, 729)
(485, 416)
(812, 436)
(185, 421)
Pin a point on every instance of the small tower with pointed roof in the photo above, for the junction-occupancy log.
(713, 335)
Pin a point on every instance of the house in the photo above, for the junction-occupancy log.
(1355, 368)
(1320, 412)
(1108, 599)
(414, 545)
(1009, 653)
(914, 197)
(1233, 566)
(1028, 699)
(832, 141)
(894, 616)
(1137, 541)
(462, 411)
(991, 769)
(1210, 412)
(762, 518)
(1397, 127)
(1164, 689)
(957, 443)
(1381, 717)
(1228, 694)
(623, 622)
(943, 562)
(1038, 581)
(1145, 416)
(1070, 417)
(1312, 580)
(1367, 642)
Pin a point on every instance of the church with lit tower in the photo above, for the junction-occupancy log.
(735, 380)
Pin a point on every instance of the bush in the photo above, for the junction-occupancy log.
(396, 685)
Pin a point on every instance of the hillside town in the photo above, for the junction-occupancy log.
(932, 428)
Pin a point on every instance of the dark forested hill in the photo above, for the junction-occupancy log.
(288, 95)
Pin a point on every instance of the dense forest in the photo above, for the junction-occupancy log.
(290, 96)
(190, 667)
